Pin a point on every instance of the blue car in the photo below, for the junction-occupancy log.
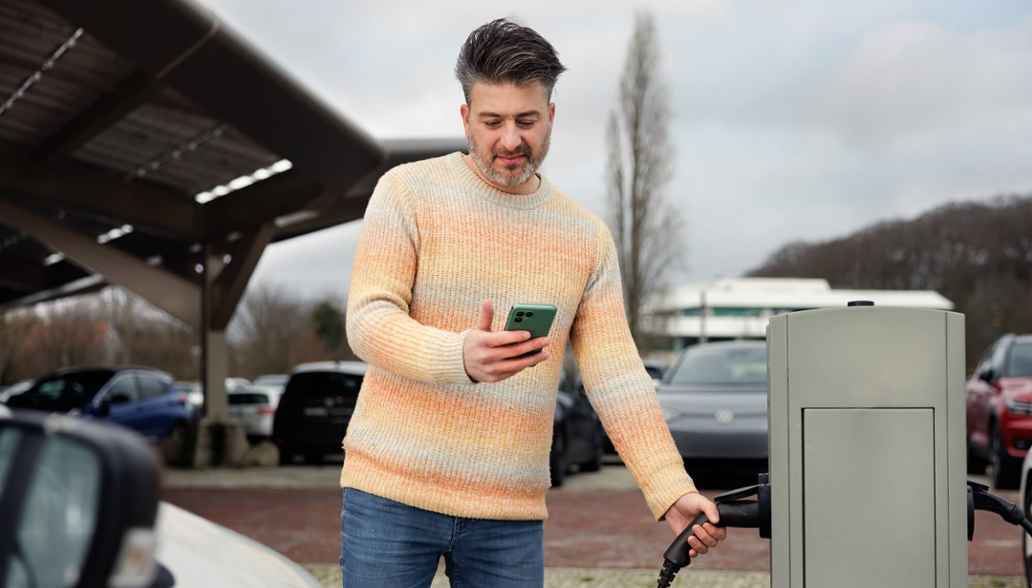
(139, 398)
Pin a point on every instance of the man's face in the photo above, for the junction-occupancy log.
(508, 127)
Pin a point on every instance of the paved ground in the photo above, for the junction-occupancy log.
(599, 532)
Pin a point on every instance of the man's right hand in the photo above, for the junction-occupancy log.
(491, 356)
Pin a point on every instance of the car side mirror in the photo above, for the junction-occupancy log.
(119, 399)
(78, 503)
(987, 375)
(104, 408)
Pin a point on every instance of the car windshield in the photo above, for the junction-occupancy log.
(63, 392)
(312, 387)
(238, 398)
(722, 364)
(1019, 365)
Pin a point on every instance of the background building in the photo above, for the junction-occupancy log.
(738, 308)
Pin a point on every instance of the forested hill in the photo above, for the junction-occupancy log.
(977, 254)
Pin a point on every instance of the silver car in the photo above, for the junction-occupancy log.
(714, 400)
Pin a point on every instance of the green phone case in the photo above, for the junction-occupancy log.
(536, 318)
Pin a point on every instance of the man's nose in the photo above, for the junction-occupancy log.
(510, 138)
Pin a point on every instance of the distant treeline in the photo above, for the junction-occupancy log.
(977, 254)
(272, 330)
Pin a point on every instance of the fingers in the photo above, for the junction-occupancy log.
(503, 338)
(704, 537)
(486, 316)
(516, 350)
(512, 366)
(711, 511)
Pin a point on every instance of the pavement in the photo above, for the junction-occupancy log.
(599, 532)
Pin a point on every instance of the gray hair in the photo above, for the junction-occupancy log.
(503, 51)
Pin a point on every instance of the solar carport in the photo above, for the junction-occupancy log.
(145, 144)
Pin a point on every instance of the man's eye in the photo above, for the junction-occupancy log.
(526, 124)
(492, 124)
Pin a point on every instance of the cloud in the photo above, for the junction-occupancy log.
(793, 119)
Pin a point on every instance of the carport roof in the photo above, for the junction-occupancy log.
(155, 128)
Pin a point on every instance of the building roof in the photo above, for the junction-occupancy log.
(791, 293)
(154, 127)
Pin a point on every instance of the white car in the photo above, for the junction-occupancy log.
(89, 515)
(1026, 506)
(187, 548)
(255, 408)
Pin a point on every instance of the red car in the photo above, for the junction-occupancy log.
(999, 410)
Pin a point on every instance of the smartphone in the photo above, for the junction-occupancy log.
(536, 318)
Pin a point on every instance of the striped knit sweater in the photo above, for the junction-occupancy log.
(436, 241)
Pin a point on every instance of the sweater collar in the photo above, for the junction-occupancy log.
(477, 185)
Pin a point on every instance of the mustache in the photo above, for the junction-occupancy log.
(523, 150)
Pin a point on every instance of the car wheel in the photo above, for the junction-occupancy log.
(1004, 470)
(174, 446)
(1026, 543)
(555, 462)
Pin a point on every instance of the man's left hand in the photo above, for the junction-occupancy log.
(684, 511)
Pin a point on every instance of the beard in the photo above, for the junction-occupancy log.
(531, 163)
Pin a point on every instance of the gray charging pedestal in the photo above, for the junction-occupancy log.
(867, 448)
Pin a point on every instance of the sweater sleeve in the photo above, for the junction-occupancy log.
(621, 391)
(379, 327)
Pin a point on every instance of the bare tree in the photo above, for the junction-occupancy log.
(646, 227)
(267, 324)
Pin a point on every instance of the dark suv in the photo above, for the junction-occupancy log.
(999, 410)
(139, 398)
(315, 409)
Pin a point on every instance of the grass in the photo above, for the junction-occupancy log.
(329, 577)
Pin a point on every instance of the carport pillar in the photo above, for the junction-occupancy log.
(221, 440)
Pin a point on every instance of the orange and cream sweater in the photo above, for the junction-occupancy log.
(437, 241)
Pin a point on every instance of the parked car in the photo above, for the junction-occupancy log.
(254, 407)
(578, 438)
(715, 403)
(193, 393)
(315, 409)
(999, 410)
(14, 390)
(139, 398)
(274, 382)
(91, 512)
(655, 369)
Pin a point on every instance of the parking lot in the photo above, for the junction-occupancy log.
(599, 532)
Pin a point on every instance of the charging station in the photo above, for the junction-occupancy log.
(867, 456)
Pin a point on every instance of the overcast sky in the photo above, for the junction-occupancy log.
(792, 120)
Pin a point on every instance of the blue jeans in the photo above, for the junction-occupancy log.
(387, 543)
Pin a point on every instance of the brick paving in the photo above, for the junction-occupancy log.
(597, 521)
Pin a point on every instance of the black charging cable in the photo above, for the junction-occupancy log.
(755, 514)
(980, 499)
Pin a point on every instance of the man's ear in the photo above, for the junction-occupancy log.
(551, 112)
(464, 113)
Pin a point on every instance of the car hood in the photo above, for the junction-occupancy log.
(200, 553)
(1016, 386)
(704, 401)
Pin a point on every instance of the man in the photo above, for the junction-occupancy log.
(447, 451)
